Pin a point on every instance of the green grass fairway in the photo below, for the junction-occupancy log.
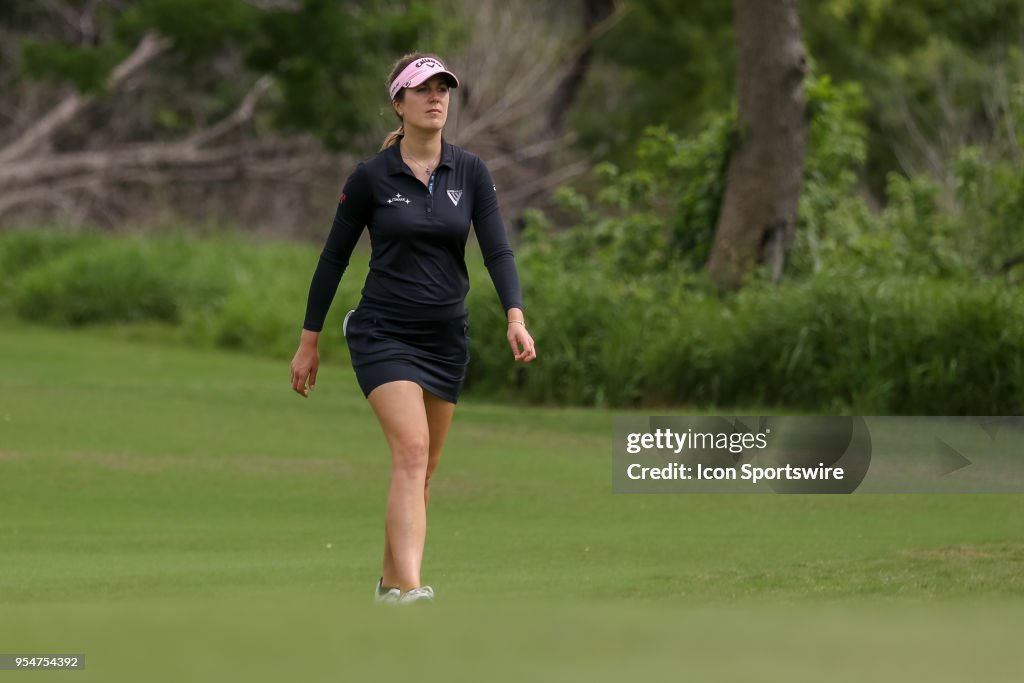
(181, 515)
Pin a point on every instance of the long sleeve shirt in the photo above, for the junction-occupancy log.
(417, 236)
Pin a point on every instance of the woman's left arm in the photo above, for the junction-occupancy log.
(523, 348)
(500, 263)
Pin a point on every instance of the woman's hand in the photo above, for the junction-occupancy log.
(521, 342)
(305, 363)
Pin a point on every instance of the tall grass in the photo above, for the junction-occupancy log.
(893, 345)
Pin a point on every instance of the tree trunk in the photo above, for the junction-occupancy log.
(765, 173)
(594, 13)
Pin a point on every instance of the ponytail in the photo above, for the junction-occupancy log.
(393, 137)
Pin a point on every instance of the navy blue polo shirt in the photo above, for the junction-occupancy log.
(418, 238)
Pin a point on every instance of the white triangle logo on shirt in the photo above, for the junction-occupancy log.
(455, 196)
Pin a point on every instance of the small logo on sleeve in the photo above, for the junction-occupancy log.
(342, 198)
(398, 198)
(455, 196)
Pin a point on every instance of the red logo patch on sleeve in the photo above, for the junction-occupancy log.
(341, 198)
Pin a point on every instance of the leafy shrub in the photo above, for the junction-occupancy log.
(23, 250)
(223, 292)
(882, 346)
(659, 214)
(122, 281)
(873, 345)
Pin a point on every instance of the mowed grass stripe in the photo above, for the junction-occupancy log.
(133, 470)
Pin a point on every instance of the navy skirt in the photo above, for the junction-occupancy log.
(432, 353)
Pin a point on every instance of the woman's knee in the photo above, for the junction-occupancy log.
(409, 455)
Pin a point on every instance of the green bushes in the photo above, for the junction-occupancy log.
(870, 345)
(215, 293)
(21, 251)
(127, 281)
(883, 346)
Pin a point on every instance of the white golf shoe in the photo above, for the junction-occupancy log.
(386, 596)
(422, 594)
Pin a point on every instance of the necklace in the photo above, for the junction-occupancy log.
(422, 165)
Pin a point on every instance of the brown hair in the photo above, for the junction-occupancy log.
(396, 135)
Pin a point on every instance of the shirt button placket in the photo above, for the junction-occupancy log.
(430, 194)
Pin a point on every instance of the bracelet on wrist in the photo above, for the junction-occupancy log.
(520, 322)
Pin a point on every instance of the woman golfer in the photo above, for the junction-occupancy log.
(408, 336)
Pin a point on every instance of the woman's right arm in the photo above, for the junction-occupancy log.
(352, 215)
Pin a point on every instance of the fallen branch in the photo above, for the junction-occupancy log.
(242, 114)
(53, 167)
(542, 185)
(66, 111)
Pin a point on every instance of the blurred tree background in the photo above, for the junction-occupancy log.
(877, 173)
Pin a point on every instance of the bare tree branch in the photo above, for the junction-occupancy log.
(511, 72)
(291, 5)
(91, 182)
(154, 155)
(910, 122)
(55, 194)
(66, 111)
(62, 10)
(599, 16)
(511, 67)
(540, 148)
(294, 162)
(543, 184)
(242, 114)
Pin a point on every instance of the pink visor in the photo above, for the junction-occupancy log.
(419, 71)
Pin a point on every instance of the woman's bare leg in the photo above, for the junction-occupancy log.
(403, 417)
(439, 418)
